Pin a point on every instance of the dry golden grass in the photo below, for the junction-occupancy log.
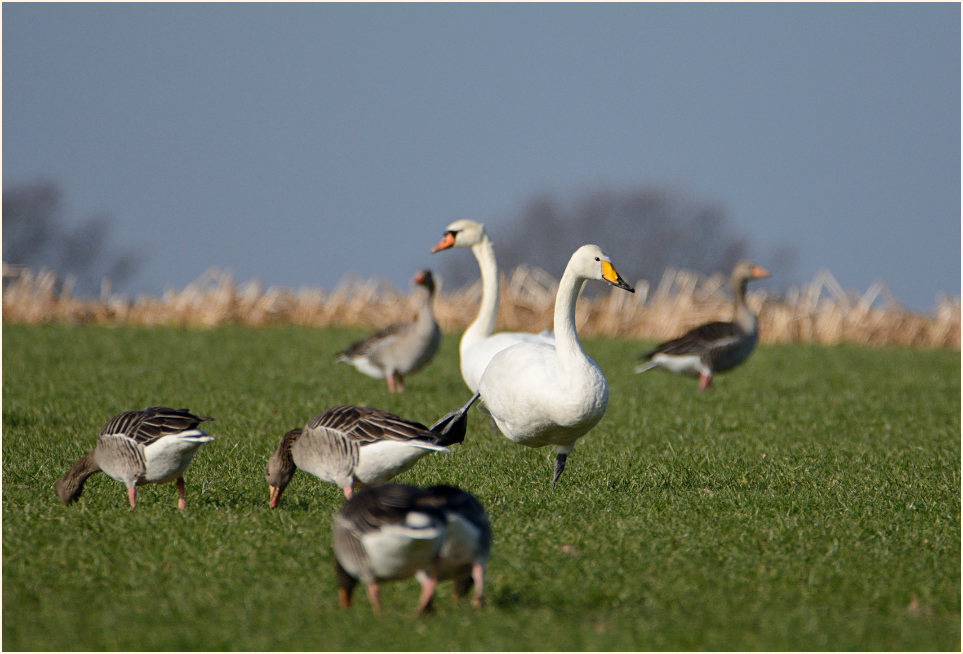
(819, 312)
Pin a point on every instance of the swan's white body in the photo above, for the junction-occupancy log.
(541, 394)
(479, 344)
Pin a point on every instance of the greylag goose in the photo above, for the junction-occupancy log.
(355, 447)
(384, 533)
(715, 346)
(542, 394)
(401, 348)
(150, 446)
(479, 344)
(468, 541)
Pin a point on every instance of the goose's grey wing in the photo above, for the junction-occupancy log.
(367, 425)
(700, 340)
(368, 344)
(466, 505)
(147, 425)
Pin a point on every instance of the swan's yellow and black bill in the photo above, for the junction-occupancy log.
(612, 277)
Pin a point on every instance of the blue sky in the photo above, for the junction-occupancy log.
(300, 143)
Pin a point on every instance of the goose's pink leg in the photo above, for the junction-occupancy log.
(181, 495)
(428, 589)
(373, 597)
(478, 576)
(344, 598)
(705, 381)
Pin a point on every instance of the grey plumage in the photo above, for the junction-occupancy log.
(394, 531)
(716, 346)
(335, 446)
(151, 445)
(468, 540)
(384, 533)
(402, 348)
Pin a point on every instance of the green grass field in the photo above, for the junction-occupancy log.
(811, 501)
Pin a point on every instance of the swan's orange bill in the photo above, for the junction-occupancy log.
(447, 241)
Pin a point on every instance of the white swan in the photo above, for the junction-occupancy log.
(542, 394)
(479, 344)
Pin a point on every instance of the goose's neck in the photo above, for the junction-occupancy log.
(425, 315)
(282, 461)
(71, 485)
(484, 324)
(743, 315)
(566, 339)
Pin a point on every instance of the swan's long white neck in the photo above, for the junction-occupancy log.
(484, 324)
(567, 346)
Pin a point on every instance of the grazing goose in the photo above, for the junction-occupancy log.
(150, 446)
(402, 348)
(715, 346)
(542, 394)
(479, 344)
(384, 533)
(468, 541)
(354, 447)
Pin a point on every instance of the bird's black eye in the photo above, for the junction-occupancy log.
(597, 259)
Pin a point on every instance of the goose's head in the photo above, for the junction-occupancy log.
(742, 274)
(280, 467)
(746, 270)
(462, 233)
(426, 279)
(590, 262)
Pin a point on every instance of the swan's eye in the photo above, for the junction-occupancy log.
(597, 259)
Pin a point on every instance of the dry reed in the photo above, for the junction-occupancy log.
(818, 312)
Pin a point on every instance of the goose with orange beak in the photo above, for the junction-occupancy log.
(716, 346)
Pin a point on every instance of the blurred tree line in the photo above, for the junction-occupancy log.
(645, 230)
(35, 235)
